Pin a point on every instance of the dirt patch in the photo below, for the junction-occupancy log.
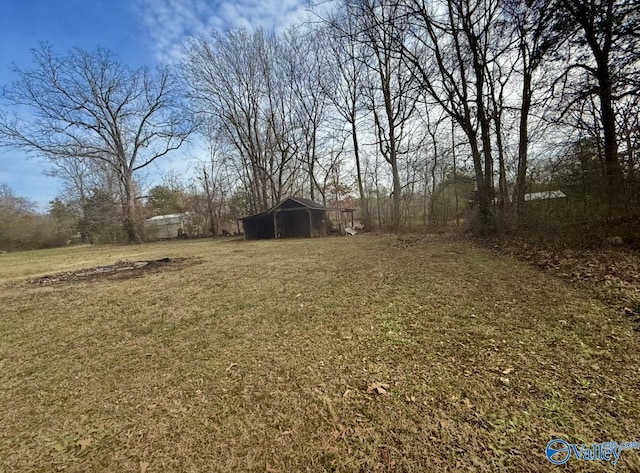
(119, 270)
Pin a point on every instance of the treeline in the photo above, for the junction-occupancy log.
(97, 219)
(422, 113)
(23, 227)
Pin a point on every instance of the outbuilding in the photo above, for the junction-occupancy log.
(292, 217)
(163, 227)
(546, 195)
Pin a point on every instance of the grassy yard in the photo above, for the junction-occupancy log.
(263, 356)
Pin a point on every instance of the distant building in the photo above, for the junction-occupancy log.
(544, 195)
(162, 227)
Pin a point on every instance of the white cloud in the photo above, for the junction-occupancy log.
(171, 22)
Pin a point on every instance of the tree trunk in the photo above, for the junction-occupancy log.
(487, 186)
(630, 160)
(364, 205)
(312, 187)
(615, 183)
(483, 196)
(397, 196)
(523, 144)
(392, 156)
(455, 173)
(502, 170)
(129, 210)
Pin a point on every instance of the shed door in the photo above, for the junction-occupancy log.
(294, 223)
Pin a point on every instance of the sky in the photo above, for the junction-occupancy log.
(139, 32)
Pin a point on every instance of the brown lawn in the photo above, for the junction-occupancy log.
(262, 356)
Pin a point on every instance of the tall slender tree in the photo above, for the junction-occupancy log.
(390, 89)
(346, 71)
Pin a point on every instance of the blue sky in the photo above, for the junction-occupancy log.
(140, 32)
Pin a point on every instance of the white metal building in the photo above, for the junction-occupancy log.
(162, 227)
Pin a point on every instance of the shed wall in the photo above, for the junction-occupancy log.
(290, 218)
(294, 223)
(258, 227)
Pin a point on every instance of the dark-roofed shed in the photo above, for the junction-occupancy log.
(293, 217)
(258, 226)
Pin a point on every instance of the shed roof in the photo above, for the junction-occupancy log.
(544, 195)
(255, 215)
(169, 216)
(304, 202)
(307, 203)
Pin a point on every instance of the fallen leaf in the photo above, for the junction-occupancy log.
(445, 424)
(143, 467)
(270, 469)
(84, 443)
(507, 371)
(377, 388)
(505, 380)
(340, 433)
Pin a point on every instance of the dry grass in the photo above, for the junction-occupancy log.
(257, 356)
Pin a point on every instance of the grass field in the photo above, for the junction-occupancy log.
(263, 356)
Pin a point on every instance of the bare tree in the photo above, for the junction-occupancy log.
(240, 84)
(536, 36)
(82, 180)
(12, 203)
(307, 66)
(346, 71)
(629, 131)
(288, 134)
(390, 88)
(448, 50)
(88, 105)
(608, 30)
(215, 179)
(226, 87)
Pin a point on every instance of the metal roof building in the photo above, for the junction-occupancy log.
(544, 195)
(163, 227)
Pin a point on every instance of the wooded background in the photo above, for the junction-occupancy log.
(422, 114)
